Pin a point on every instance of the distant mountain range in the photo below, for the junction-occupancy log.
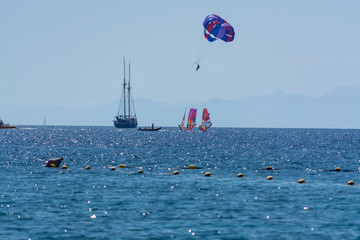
(337, 109)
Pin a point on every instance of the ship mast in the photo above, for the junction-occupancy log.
(124, 86)
(129, 93)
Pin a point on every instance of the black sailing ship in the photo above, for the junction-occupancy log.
(126, 118)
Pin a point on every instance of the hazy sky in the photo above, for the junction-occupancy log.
(57, 52)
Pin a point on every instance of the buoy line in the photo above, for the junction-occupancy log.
(51, 164)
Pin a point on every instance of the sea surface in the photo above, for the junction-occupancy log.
(37, 202)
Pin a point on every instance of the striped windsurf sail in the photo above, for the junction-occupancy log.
(206, 122)
(191, 123)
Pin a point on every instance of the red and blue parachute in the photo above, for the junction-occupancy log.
(217, 28)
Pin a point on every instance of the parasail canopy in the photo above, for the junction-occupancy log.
(217, 28)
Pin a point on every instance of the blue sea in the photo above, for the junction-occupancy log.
(37, 202)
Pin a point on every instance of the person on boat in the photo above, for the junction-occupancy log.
(198, 67)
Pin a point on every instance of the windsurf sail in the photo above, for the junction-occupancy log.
(181, 126)
(191, 123)
(206, 122)
(189, 118)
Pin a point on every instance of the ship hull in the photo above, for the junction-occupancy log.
(7, 127)
(125, 124)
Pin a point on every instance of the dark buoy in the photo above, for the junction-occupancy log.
(208, 174)
(269, 168)
(140, 171)
(87, 167)
(192, 167)
(240, 175)
(122, 166)
(337, 169)
(113, 168)
(175, 172)
(55, 161)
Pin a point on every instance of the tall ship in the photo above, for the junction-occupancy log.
(126, 117)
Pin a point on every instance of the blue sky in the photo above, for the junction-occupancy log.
(57, 52)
